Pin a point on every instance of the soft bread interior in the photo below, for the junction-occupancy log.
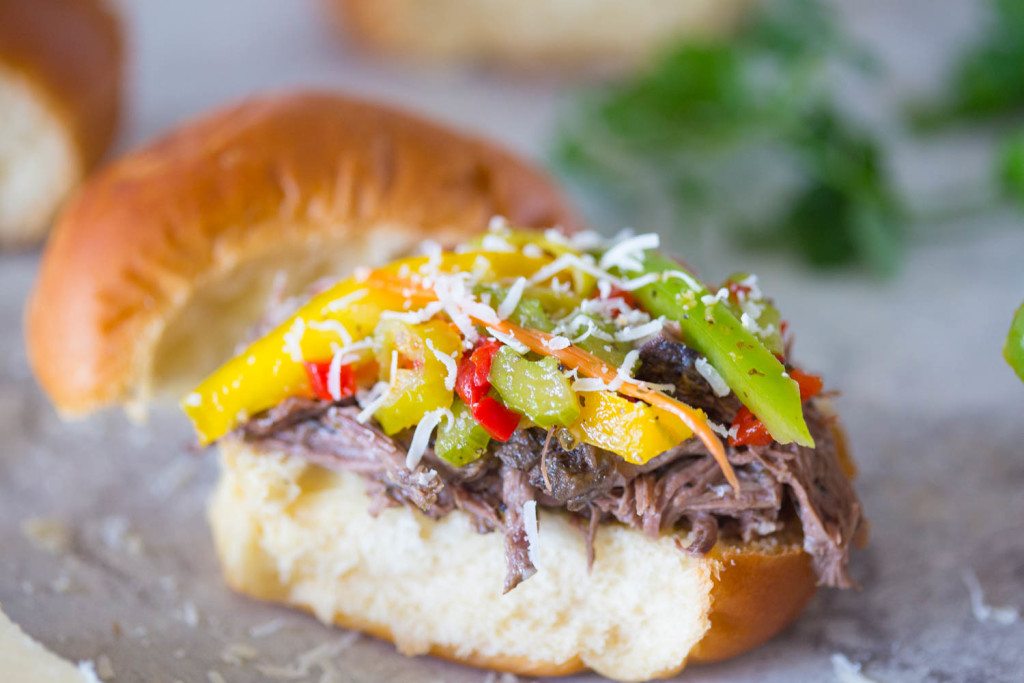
(219, 313)
(38, 160)
(295, 533)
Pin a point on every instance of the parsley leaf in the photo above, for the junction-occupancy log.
(744, 133)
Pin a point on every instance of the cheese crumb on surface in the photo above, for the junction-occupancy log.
(104, 669)
(982, 611)
(847, 671)
(48, 534)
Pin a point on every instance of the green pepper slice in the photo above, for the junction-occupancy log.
(745, 363)
(1013, 351)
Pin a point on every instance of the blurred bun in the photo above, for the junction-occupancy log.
(599, 36)
(60, 95)
(162, 260)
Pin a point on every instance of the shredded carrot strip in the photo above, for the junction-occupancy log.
(590, 366)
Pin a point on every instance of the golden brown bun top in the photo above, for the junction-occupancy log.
(310, 171)
(73, 50)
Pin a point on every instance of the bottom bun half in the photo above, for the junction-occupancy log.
(294, 533)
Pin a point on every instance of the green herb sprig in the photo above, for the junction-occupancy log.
(745, 132)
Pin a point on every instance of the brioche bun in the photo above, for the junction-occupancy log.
(60, 95)
(597, 36)
(162, 260)
(292, 532)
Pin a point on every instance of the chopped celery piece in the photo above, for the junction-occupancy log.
(747, 365)
(537, 389)
(460, 441)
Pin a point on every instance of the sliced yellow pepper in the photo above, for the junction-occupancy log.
(635, 431)
(270, 369)
(418, 389)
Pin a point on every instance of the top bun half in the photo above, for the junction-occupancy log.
(161, 261)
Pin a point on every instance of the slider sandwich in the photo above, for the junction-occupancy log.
(537, 451)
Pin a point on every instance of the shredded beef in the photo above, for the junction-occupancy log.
(517, 492)
(682, 489)
(666, 360)
(568, 478)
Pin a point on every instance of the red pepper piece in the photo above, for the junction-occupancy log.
(473, 380)
(810, 385)
(319, 380)
(737, 291)
(495, 418)
(750, 431)
(627, 297)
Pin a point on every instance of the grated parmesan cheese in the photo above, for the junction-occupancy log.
(372, 400)
(508, 305)
(708, 372)
(331, 326)
(637, 332)
(627, 255)
(344, 302)
(450, 366)
(415, 317)
(557, 343)
(293, 340)
(421, 437)
(508, 340)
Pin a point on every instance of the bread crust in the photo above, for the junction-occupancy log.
(308, 171)
(72, 51)
(756, 589)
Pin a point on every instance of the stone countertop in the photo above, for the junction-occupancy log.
(933, 412)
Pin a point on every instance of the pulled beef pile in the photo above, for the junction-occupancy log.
(682, 491)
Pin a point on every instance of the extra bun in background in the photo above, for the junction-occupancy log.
(163, 259)
(61, 64)
(592, 36)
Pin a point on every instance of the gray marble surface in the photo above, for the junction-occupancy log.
(935, 415)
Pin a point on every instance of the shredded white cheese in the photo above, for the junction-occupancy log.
(421, 437)
(625, 371)
(415, 317)
(628, 334)
(532, 532)
(508, 340)
(372, 400)
(508, 305)
(293, 340)
(496, 242)
(331, 326)
(557, 343)
(690, 281)
(708, 372)
(712, 299)
(847, 671)
(584, 384)
(450, 366)
(627, 255)
(637, 283)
